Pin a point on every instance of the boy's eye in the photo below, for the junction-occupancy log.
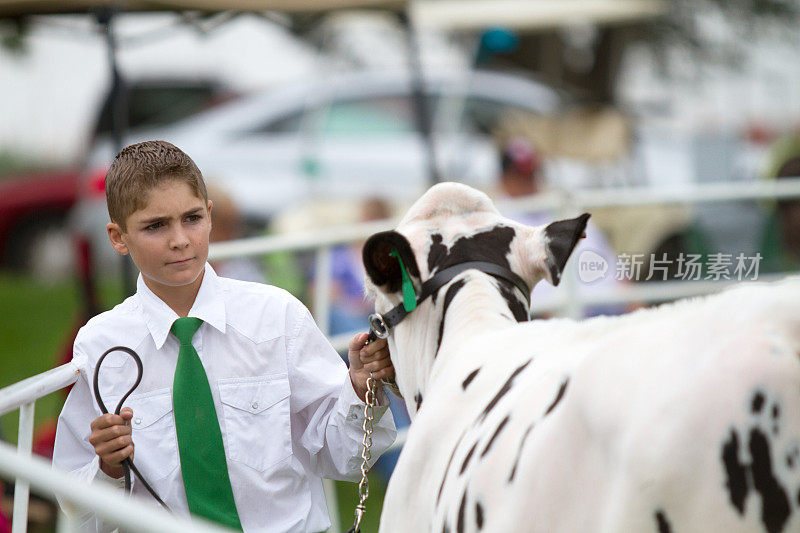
(193, 218)
(154, 226)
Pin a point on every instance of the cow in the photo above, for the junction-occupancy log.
(680, 418)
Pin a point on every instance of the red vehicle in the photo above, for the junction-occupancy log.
(34, 229)
(33, 214)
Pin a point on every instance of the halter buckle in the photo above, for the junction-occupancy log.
(377, 326)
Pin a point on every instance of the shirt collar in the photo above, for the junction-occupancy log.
(209, 306)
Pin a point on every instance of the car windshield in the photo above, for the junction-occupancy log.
(161, 104)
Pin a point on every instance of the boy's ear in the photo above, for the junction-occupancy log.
(383, 268)
(115, 236)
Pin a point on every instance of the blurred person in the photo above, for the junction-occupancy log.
(521, 175)
(780, 246)
(5, 523)
(227, 225)
(349, 307)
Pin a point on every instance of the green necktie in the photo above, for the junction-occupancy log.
(205, 472)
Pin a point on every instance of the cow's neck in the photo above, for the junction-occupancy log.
(476, 308)
(472, 307)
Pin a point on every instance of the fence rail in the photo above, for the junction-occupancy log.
(136, 516)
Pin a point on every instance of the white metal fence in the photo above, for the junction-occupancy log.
(135, 516)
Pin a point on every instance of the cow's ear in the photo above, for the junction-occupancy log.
(382, 267)
(561, 237)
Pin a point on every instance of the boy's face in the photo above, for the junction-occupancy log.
(168, 238)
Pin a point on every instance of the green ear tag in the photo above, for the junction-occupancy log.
(409, 296)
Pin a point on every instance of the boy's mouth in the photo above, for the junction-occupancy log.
(180, 261)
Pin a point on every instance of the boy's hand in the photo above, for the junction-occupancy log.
(111, 438)
(365, 358)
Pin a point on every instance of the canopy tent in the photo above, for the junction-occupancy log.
(105, 11)
(21, 8)
(553, 38)
(530, 15)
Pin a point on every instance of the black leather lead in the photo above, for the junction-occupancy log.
(441, 278)
(127, 464)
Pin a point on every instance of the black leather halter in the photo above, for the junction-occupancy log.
(380, 325)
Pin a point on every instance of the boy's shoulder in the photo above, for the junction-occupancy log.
(265, 294)
(260, 307)
(121, 325)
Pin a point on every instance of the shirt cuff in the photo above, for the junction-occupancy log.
(354, 407)
(105, 478)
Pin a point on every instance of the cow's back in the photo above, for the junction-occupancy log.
(685, 417)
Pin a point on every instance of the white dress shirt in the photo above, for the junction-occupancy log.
(286, 407)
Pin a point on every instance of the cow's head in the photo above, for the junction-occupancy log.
(451, 224)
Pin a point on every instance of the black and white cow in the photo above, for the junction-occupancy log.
(681, 418)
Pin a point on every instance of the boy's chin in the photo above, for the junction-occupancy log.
(179, 279)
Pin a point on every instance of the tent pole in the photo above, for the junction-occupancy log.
(420, 103)
(119, 116)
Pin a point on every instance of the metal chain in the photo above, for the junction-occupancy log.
(363, 485)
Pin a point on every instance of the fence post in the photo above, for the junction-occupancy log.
(333, 505)
(573, 303)
(322, 289)
(22, 487)
(322, 314)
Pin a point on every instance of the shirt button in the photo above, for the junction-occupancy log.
(254, 405)
(138, 421)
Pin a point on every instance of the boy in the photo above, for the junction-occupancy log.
(243, 407)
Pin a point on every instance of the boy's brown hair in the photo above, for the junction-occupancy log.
(140, 167)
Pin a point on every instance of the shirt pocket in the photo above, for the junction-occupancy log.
(256, 413)
(154, 438)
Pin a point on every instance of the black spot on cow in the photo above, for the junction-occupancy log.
(461, 512)
(447, 468)
(452, 290)
(776, 411)
(757, 403)
(662, 522)
(519, 453)
(504, 389)
(562, 236)
(479, 515)
(495, 434)
(558, 398)
(775, 507)
(437, 252)
(469, 378)
(467, 459)
(736, 472)
(789, 461)
(492, 246)
(515, 305)
(418, 400)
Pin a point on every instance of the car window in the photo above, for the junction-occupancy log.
(287, 124)
(159, 105)
(373, 116)
(385, 115)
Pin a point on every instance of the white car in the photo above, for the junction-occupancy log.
(350, 137)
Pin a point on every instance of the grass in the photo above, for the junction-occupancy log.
(38, 323)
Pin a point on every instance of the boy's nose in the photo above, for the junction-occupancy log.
(179, 239)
